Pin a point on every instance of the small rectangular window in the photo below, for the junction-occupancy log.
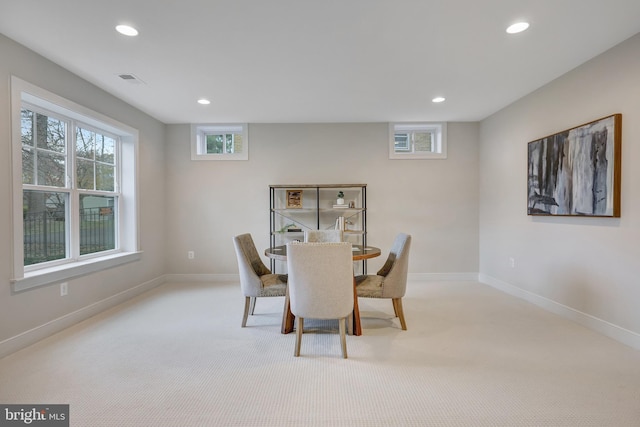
(219, 142)
(417, 140)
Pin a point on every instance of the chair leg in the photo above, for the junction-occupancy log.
(247, 303)
(288, 319)
(350, 324)
(397, 307)
(253, 305)
(299, 328)
(343, 337)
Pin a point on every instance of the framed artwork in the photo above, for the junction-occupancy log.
(576, 172)
(294, 199)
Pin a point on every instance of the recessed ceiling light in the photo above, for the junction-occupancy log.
(204, 101)
(438, 99)
(518, 27)
(127, 30)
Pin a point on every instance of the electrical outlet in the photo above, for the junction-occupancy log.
(191, 254)
(512, 262)
(64, 289)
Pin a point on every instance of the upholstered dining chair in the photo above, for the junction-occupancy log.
(256, 280)
(320, 285)
(323, 235)
(391, 280)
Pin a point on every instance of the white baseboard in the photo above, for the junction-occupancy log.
(603, 327)
(13, 344)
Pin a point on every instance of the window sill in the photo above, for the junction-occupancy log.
(60, 273)
(415, 156)
(240, 156)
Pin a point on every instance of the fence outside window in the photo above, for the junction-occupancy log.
(45, 233)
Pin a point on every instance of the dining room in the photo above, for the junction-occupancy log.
(511, 319)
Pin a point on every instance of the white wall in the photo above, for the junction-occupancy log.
(586, 268)
(434, 200)
(41, 311)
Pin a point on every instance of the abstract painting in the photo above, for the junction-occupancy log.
(577, 171)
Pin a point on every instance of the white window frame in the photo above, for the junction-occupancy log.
(24, 278)
(439, 129)
(199, 134)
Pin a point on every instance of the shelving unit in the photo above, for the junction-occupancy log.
(296, 208)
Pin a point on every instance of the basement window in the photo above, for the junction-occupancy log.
(74, 189)
(219, 142)
(420, 140)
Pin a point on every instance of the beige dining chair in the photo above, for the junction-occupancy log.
(320, 285)
(256, 280)
(391, 280)
(323, 236)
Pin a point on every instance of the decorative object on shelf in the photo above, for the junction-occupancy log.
(576, 172)
(286, 227)
(289, 228)
(294, 199)
(352, 204)
(340, 200)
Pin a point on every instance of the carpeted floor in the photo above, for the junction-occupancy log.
(472, 356)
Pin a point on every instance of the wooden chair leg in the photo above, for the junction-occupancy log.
(357, 325)
(247, 303)
(397, 307)
(253, 305)
(288, 318)
(343, 338)
(299, 329)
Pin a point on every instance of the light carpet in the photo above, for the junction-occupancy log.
(472, 356)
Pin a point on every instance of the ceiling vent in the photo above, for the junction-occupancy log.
(131, 78)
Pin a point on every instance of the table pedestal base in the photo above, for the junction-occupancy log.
(288, 318)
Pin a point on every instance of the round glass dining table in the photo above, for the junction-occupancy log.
(359, 253)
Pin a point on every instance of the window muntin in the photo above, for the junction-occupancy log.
(219, 142)
(417, 140)
(77, 220)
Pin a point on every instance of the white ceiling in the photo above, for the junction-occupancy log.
(286, 61)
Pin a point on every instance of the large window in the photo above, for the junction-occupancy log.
(219, 142)
(75, 172)
(417, 140)
(69, 187)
